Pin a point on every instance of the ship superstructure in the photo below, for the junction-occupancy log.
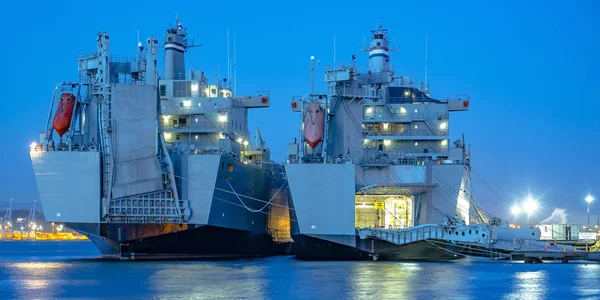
(159, 167)
(375, 152)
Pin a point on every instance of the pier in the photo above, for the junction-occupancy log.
(528, 256)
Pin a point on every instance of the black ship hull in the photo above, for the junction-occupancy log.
(306, 247)
(202, 242)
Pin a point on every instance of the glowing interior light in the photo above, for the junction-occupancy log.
(240, 140)
(245, 143)
(187, 103)
(443, 125)
(369, 110)
(222, 118)
(416, 143)
(387, 142)
(402, 110)
(444, 143)
(386, 126)
(166, 119)
(167, 135)
(194, 87)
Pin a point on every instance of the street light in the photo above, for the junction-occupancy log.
(515, 210)
(530, 207)
(589, 200)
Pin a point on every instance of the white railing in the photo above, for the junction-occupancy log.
(479, 234)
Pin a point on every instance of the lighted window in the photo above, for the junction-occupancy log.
(387, 142)
(187, 103)
(416, 126)
(444, 143)
(416, 111)
(222, 118)
(196, 137)
(443, 125)
(416, 143)
(386, 126)
(402, 110)
(167, 135)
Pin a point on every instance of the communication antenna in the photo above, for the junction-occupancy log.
(334, 51)
(312, 72)
(234, 67)
(426, 83)
(228, 60)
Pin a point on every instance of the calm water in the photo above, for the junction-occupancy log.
(68, 270)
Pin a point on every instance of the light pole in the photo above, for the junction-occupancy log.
(589, 200)
(530, 207)
(515, 210)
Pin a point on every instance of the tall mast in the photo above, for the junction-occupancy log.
(312, 72)
(426, 83)
(234, 68)
(228, 60)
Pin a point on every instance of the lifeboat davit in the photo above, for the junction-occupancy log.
(64, 113)
(314, 124)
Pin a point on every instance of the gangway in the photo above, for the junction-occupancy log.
(496, 240)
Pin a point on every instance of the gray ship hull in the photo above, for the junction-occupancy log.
(231, 213)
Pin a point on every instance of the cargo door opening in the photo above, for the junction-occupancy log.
(384, 211)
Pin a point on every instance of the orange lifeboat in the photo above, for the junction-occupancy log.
(314, 124)
(64, 113)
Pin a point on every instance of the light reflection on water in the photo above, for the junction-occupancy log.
(54, 277)
(529, 285)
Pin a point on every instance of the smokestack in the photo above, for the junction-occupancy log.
(174, 52)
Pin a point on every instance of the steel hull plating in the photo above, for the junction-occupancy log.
(230, 212)
(312, 248)
(192, 243)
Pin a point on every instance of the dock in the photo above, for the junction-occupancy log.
(42, 236)
(529, 256)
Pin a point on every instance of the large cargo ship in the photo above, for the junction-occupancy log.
(375, 152)
(151, 167)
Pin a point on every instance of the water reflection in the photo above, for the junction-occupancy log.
(211, 280)
(31, 280)
(588, 278)
(529, 285)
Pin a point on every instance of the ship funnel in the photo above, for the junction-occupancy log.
(175, 46)
(379, 50)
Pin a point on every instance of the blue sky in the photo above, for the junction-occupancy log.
(530, 67)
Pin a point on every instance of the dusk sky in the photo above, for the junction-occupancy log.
(530, 67)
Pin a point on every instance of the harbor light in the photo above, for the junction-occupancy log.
(589, 200)
(515, 210)
(530, 207)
